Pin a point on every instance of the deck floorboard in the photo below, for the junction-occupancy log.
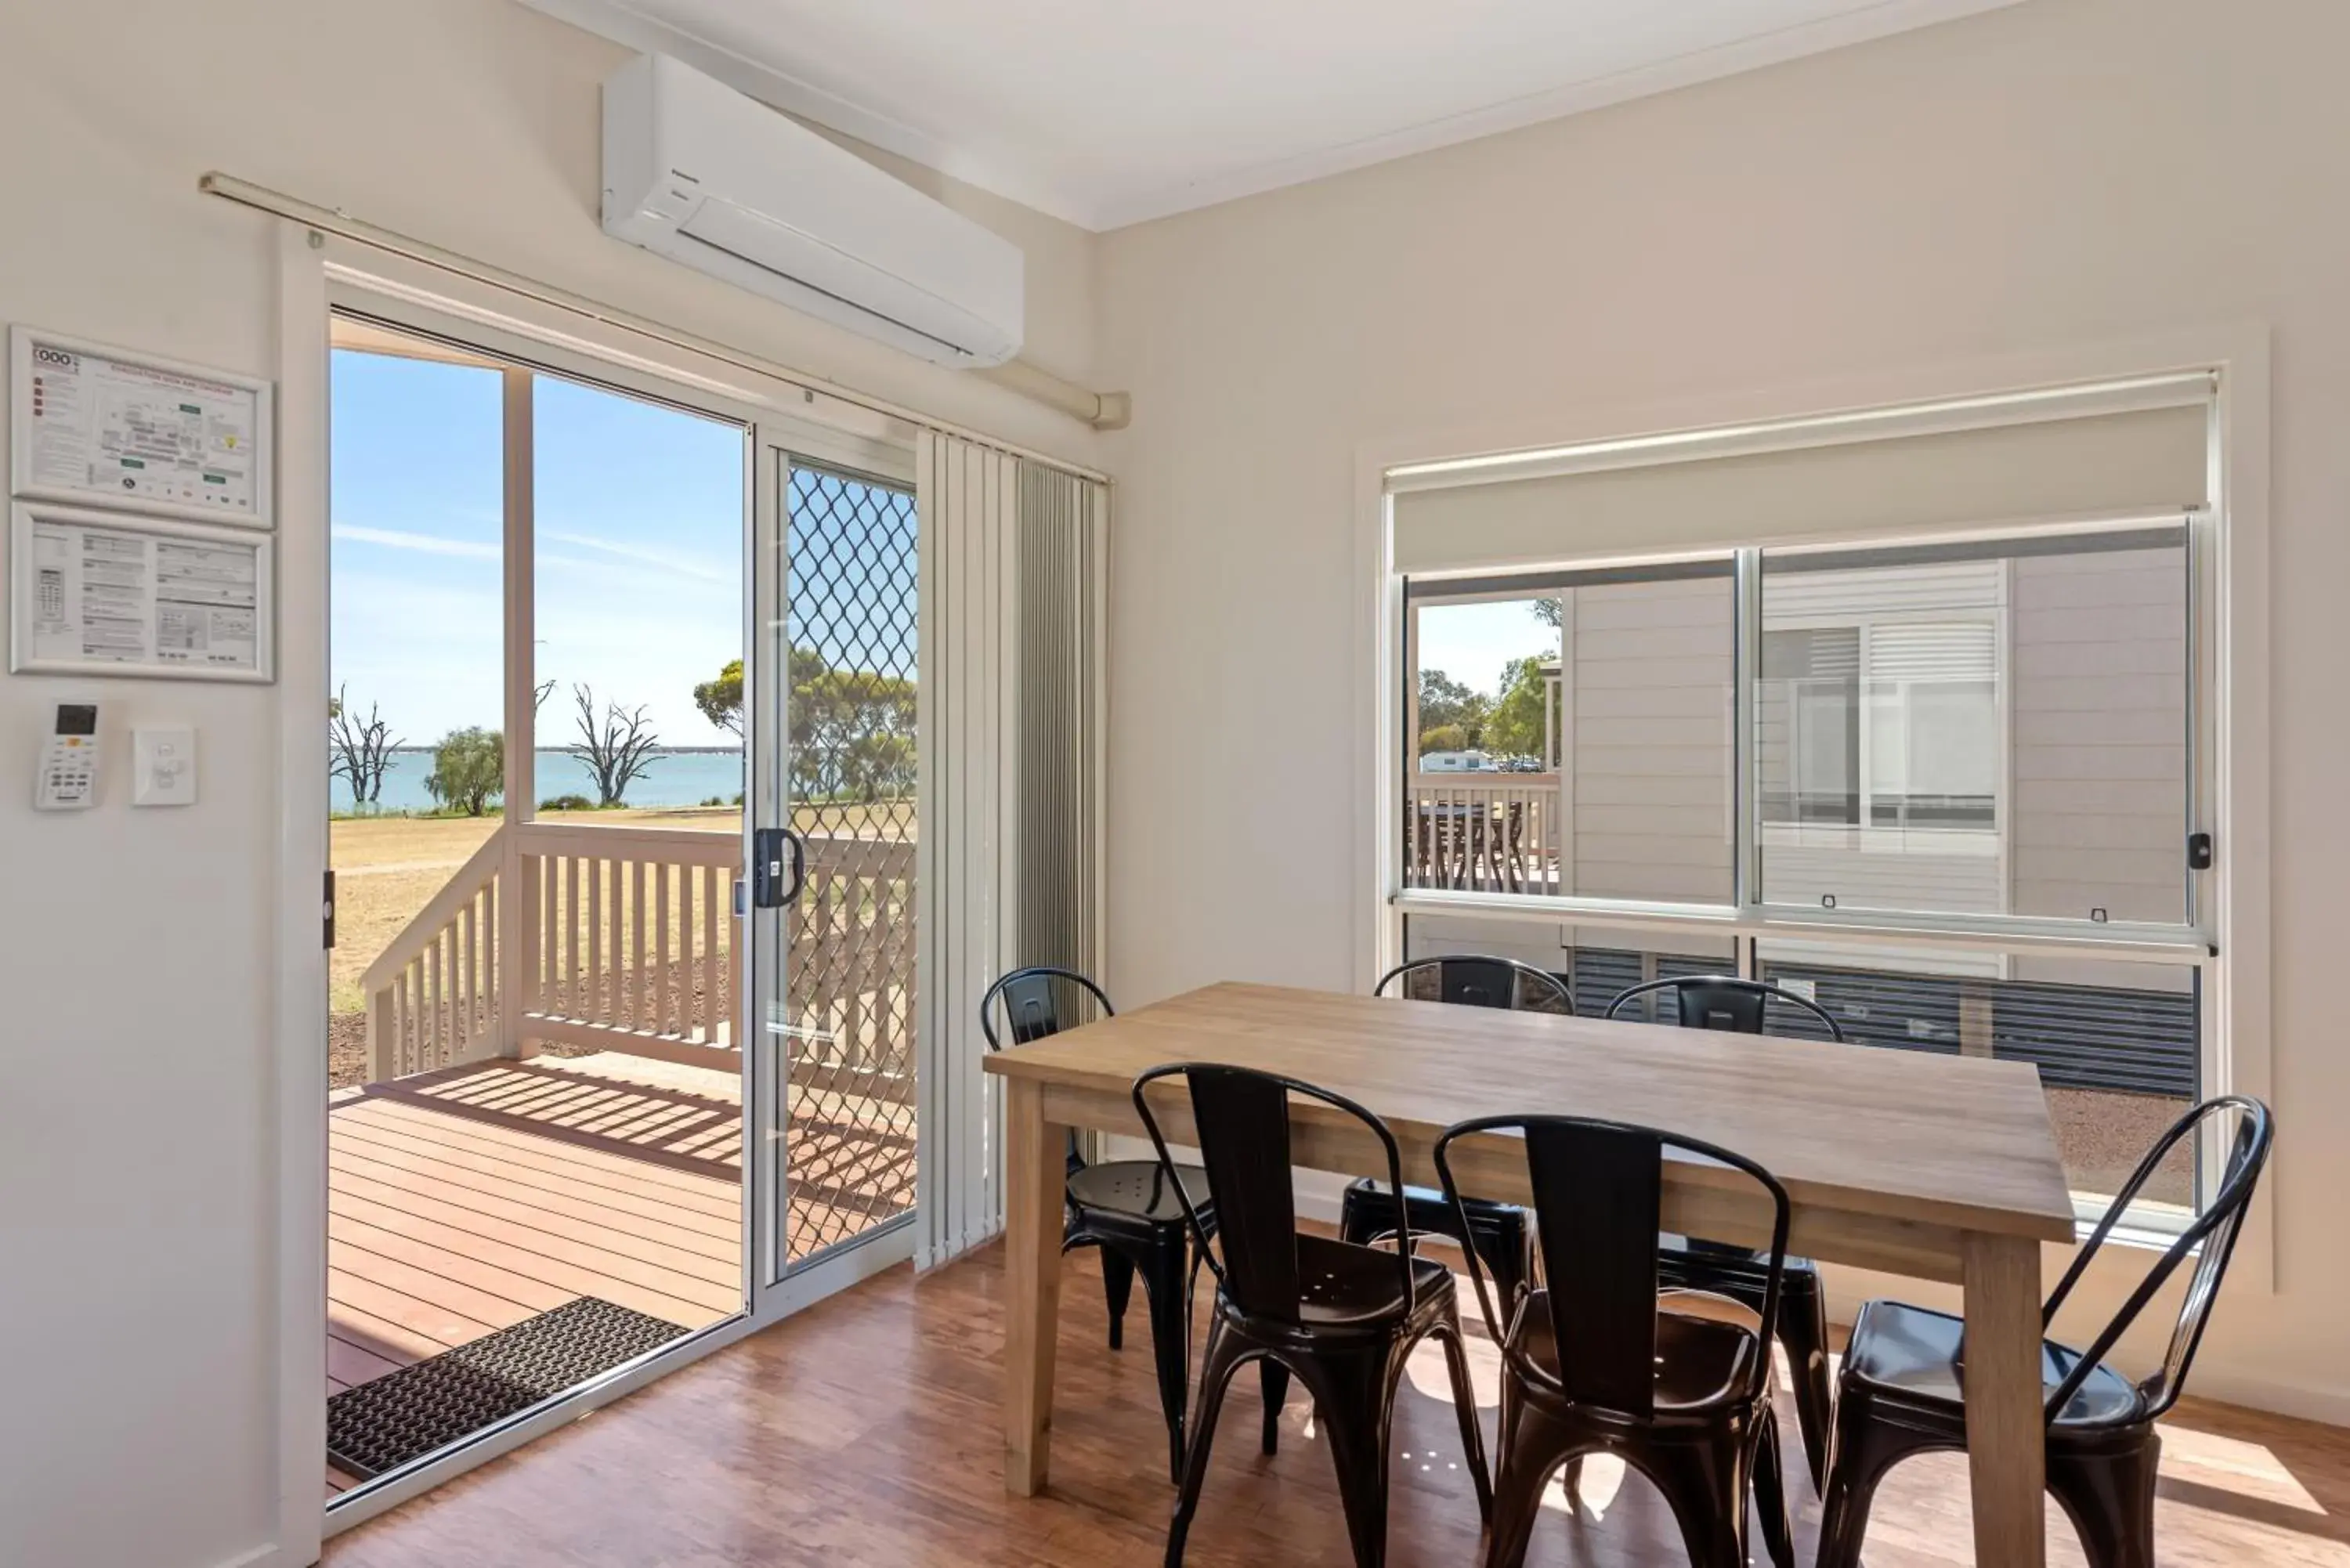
(466, 1201)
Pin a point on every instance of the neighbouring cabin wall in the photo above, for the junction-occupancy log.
(139, 1066)
(1651, 740)
(2041, 179)
(2098, 692)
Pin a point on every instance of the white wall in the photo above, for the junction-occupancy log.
(2059, 174)
(137, 1060)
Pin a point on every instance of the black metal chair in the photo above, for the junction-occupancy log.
(1342, 1318)
(1736, 1006)
(1370, 1212)
(1902, 1394)
(1126, 1208)
(1595, 1362)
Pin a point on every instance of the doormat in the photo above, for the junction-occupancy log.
(403, 1415)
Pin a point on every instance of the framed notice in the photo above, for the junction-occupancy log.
(97, 593)
(94, 426)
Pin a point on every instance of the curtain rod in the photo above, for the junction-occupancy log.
(1098, 410)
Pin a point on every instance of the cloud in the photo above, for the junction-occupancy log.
(423, 544)
(667, 561)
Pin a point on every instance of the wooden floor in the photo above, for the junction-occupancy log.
(865, 1431)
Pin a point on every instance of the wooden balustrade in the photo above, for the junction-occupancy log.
(850, 969)
(1492, 833)
(625, 939)
(629, 941)
(434, 995)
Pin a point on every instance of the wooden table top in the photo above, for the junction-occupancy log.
(1959, 1141)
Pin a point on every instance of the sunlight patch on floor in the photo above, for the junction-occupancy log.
(2231, 1464)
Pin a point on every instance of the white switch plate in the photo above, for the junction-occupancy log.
(163, 765)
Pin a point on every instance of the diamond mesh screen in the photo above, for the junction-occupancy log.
(850, 619)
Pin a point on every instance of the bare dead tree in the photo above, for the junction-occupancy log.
(362, 749)
(617, 747)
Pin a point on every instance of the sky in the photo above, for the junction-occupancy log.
(1472, 643)
(640, 549)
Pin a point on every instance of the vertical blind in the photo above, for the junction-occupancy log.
(1010, 829)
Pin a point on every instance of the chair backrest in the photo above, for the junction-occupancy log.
(1725, 1002)
(1477, 981)
(1598, 1189)
(2209, 1240)
(1031, 1003)
(1240, 1117)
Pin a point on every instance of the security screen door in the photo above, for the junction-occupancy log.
(834, 861)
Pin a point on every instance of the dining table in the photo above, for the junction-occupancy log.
(1910, 1162)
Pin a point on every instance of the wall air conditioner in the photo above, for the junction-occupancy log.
(695, 171)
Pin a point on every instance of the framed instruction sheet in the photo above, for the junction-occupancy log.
(94, 592)
(107, 427)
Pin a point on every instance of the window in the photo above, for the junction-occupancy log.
(1943, 775)
(1994, 728)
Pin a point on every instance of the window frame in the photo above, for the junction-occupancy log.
(2223, 371)
(1749, 911)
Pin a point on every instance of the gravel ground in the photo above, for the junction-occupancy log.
(2102, 1136)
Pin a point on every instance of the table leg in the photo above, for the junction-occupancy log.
(2007, 1451)
(1034, 1175)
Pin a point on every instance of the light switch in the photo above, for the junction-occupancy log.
(163, 765)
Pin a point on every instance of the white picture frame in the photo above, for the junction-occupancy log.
(161, 629)
(101, 385)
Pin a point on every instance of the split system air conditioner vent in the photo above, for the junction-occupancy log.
(695, 171)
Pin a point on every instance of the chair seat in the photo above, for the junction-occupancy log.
(1340, 1284)
(1135, 1190)
(1686, 1260)
(1700, 1361)
(1911, 1355)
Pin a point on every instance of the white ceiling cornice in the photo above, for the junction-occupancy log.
(614, 20)
(1114, 202)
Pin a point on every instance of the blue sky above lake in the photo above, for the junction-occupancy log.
(640, 514)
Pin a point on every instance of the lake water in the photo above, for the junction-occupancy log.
(675, 778)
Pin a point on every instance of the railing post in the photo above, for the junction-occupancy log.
(382, 1044)
(518, 943)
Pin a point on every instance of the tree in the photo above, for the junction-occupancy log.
(1514, 727)
(853, 732)
(721, 701)
(616, 748)
(469, 770)
(362, 749)
(1450, 712)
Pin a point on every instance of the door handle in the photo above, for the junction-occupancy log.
(778, 868)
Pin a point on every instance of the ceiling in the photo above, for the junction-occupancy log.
(1112, 112)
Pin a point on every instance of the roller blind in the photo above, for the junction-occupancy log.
(2149, 459)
